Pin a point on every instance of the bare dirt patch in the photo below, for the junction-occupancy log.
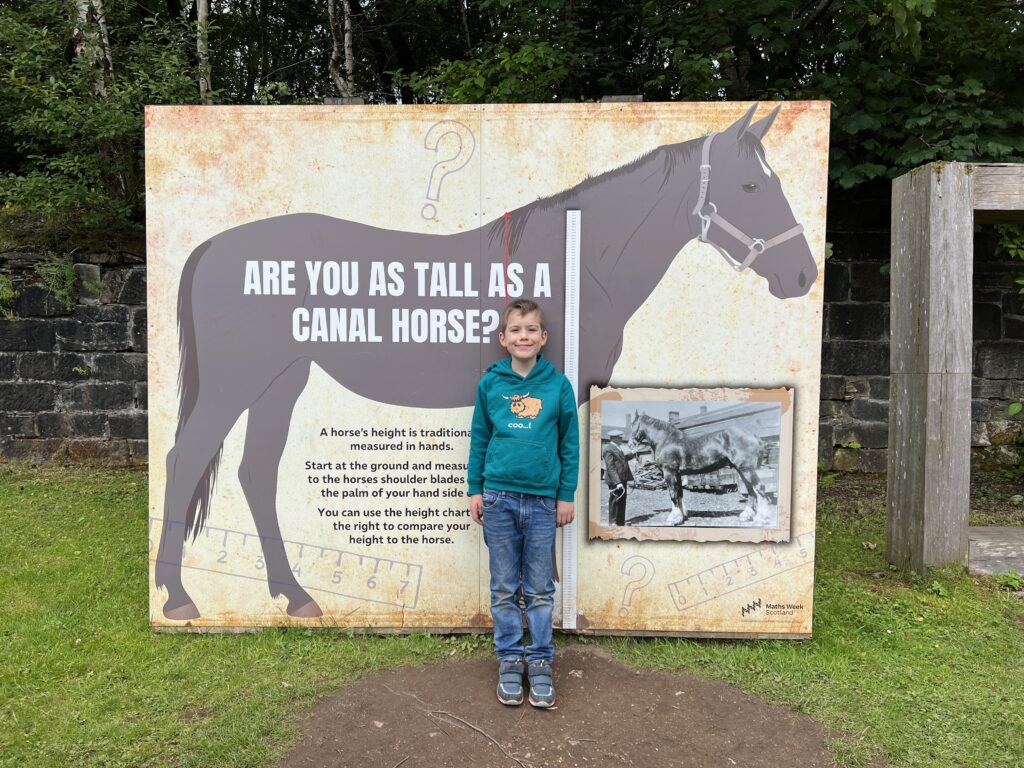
(608, 714)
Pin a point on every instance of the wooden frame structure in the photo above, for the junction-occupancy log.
(934, 209)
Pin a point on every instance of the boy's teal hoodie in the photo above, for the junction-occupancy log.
(525, 432)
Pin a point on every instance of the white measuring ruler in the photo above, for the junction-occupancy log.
(571, 367)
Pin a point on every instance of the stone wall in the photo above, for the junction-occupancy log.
(73, 383)
(855, 353)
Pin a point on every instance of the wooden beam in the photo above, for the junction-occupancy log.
(930, 359)
(998, 190)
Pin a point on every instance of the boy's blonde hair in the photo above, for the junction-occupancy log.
(523, 307)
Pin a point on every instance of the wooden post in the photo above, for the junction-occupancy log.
(930, 359)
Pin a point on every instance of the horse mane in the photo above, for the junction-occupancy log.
(668, 427)
(672, 156)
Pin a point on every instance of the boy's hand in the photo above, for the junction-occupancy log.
(565, 511)
(476, 508)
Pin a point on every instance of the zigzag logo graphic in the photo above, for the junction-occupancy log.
(750, 607)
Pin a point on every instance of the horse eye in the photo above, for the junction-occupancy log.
(750, 187)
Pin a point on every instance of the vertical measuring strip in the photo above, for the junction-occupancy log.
(571, 367)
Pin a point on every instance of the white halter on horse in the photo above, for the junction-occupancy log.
(707, 212)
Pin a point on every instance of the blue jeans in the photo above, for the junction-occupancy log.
(519, 530)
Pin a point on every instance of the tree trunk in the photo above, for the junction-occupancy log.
(341, 50)
(203, 50)
(92, 43)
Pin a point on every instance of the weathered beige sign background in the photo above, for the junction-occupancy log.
(368, 494)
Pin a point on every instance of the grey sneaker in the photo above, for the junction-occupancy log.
(542, 684)
(510, 681)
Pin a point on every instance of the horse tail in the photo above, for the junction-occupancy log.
(198, 509)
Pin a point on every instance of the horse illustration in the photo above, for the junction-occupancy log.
(238, 351)
(680, 455)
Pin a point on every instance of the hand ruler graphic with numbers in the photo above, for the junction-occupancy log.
(742, 572)
(322, 569)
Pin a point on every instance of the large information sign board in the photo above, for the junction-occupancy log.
(325, 288)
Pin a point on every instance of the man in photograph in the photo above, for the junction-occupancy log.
(616, 475)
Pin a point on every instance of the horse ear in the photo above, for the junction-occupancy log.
(737, 128)
(760, 128)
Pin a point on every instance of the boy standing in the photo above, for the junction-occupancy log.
(523, 466)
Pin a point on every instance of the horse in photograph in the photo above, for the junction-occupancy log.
(238, 352)
(679, 455)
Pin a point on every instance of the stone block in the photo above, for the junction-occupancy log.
(64, 424)
(862, 358)
(837, 281)
(138, 453)
(142, 396)
(103, 313)
(860, 459)
(122, 366)
(17, 425)
(139, 329)
(8, 366)
(100, 452)
(88, 283)
(868, 282)
(113, 279)
(26, 335)
(826, 442)
(134, 289)
(834, 410)
(131, 424)
(869, 321)
(867, 434)
(91, 396)
(870, 410)
(27, 397)
(73, 335)
(999, 360)
(856, 387)
(998, 389)
(1013, 302)
(1013, 327)
(988, 322)
(35, 451)
(54, 366)
(36, 301)
(832, 387)
(878, 387)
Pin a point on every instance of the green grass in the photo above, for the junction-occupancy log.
(918, 671)
(896, 668)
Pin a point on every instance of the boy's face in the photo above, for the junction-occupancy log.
(523, 337)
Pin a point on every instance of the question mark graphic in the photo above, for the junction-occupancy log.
(490, 320)
(644, 570)
(446, 165)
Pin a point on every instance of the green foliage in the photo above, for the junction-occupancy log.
(1010, 581)
(937, 589)
(8, 293)
(78, 155)
(57, 275)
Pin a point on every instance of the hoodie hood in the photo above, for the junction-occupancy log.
(542, 371)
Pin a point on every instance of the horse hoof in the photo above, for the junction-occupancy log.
(675, 518)
(308, 610)
(181, 612)
(746, 515)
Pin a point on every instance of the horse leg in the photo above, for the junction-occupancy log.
(753, 495)
(675, 489)
(265, 438)
(190, 466)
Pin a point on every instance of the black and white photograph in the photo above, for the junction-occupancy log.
(709, 460)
